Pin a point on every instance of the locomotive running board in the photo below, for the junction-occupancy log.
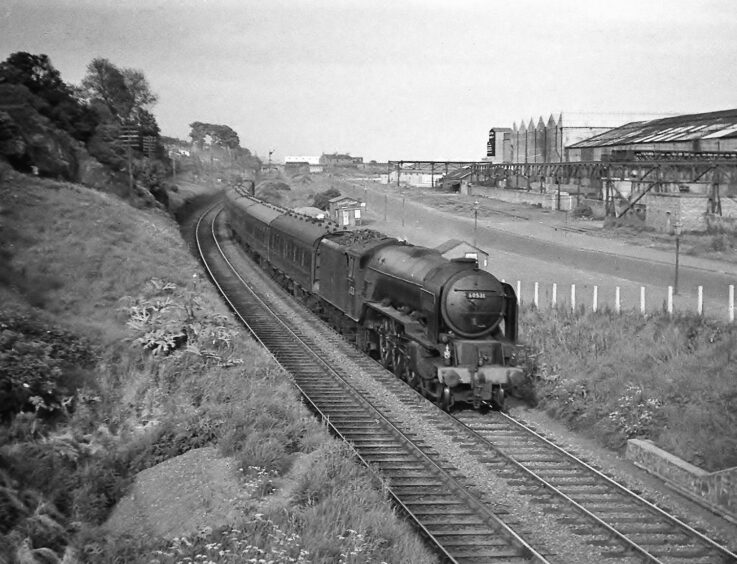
(412, 327)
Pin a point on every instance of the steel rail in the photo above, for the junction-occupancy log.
(628, 542)
(622, 489)
(516, 539)
(724, 553)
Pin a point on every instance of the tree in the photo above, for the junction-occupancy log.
(148, 124)
(219, 135)
(104, 82)
(125, 93)
(321, 200)
(52, 96)
(35, 72)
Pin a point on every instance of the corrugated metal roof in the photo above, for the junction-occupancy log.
(606, 119)
(712, 125)
(459, 174)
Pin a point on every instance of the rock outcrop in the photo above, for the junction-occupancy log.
(30, 142)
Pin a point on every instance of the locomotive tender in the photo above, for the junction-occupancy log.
(444, 326)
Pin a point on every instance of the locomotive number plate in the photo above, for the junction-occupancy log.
(476, 295)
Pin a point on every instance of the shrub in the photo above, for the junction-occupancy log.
(622, 376)
(720, 243)
(261, 451)
(39, 365)
(322, 199)
(170, 438)
(583, 211)
(103, 146)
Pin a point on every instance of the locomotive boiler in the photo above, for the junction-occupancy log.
(444, 326)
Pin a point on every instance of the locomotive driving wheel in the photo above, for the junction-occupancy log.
(399, 362)
(400, 358)
(386, 344)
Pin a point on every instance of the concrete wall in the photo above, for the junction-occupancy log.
(729, 207)
(546, 141)
(664, 210)
(717, 490)
(415, 178)
(547, 200)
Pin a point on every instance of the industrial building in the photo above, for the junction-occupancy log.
(675, 170)
(547, 141)
(702, 136)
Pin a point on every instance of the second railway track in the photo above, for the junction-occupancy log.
(465, 525)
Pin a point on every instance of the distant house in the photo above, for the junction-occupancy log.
(456, 181)
(455, 248)
(345, 211)
(296, 164)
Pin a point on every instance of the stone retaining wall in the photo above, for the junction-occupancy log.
(716, 490)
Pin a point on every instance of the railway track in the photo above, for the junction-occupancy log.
(461, 528)
(612, 516)
(616, 523)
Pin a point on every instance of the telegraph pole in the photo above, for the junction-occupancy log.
(475, 220)
(129, 135)
(677, 233)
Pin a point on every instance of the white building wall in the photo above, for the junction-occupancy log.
(311, 160)
(414, 178)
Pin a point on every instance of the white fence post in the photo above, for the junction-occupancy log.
(617, 301)
(670, 300)
(535, 295)
(573, 297)
(519, 292)
(595, 304)
(642, 300)
(554, 301)
(700, 303)
(731, 303)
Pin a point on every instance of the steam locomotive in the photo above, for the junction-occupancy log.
(444, 326)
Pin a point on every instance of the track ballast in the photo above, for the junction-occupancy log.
(461, 528)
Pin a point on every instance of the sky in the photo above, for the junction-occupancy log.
(395, 79)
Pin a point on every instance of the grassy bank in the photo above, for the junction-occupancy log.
(114, 357)
(671, 380)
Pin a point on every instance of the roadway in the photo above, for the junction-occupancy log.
(533, 245)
